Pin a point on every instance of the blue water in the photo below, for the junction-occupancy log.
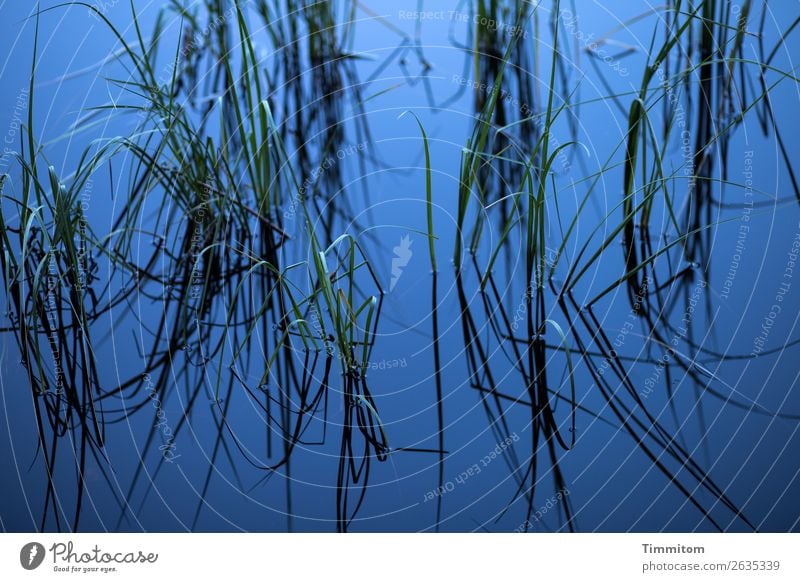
(611, 484)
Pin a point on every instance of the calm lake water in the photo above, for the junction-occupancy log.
(734, 414)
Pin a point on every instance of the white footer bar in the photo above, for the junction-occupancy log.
(400, 557)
